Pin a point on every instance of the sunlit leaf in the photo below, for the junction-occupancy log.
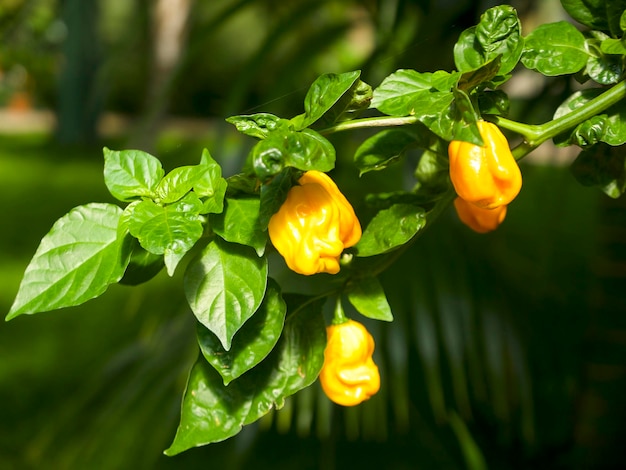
(303, 150)
(411, 93)
(170, 230)
(252, 343)
(255, 125)
(75, 262)
(239, 223)
(324, 93)
(498, 34)
(391, 228)
(368, 297)
(224, 287)
(555, 49)
(130, 174)
(177, 183)
(211, 187)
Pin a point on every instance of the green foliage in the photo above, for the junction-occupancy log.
(498, 34)
(75, 262)
(555, 49)
(212, 412)
(259, 345)
(225, 286)
(390, 229)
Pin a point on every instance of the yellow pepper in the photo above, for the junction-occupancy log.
(314, 225)
(478, 219)
(349, 375)
(488, 175)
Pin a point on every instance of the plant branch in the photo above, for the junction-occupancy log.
(363, 123)
(535, 135)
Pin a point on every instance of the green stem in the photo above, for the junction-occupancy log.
(535, 135)
(339, 316)
(364, 123)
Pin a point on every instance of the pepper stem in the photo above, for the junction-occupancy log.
(339, 316)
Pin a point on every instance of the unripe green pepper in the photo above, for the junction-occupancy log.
(349, 375)
(314, 225)
(488, 175)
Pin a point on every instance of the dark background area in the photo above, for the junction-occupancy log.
(508, 350)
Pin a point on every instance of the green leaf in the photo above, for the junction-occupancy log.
(591, 13)
(304, 150)
(324, 93)
(432, 174)
(75, 262)
(253, 342)
(493, 102)
(211, 187)
(177, 183)
(603, 166)
(498, 34)
(255, 125)
(368, 297)
(385, 148)
(590, 132)
(239, 223)
(464, 124)
(481, 75)
(606, 69)
(225, 286)
(274, 194)
(170, 230)
(614, 132)
(613, 46)
(391, 228)
(555, 49)
(131, 174)
(142, 267)
(407, 92)
(212, 412)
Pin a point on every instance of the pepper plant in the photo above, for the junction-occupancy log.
(259, 344)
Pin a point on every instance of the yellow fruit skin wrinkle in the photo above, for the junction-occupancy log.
(349, 375)
(314, 225)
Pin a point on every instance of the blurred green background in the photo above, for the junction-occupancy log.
(508, 350)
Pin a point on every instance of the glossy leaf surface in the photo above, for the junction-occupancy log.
(75, 262)
(253, 342)
(368, 297)
(224, 287)
(131, 174)
(391, 228)
(212, 412)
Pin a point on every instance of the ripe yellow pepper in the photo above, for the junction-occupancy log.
(314, 225)
(488, 175)
(478, 219)
(349, 375)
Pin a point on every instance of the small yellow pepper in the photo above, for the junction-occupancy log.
(349, 375)
(478, 219)
(314, 225)
(488, 175)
